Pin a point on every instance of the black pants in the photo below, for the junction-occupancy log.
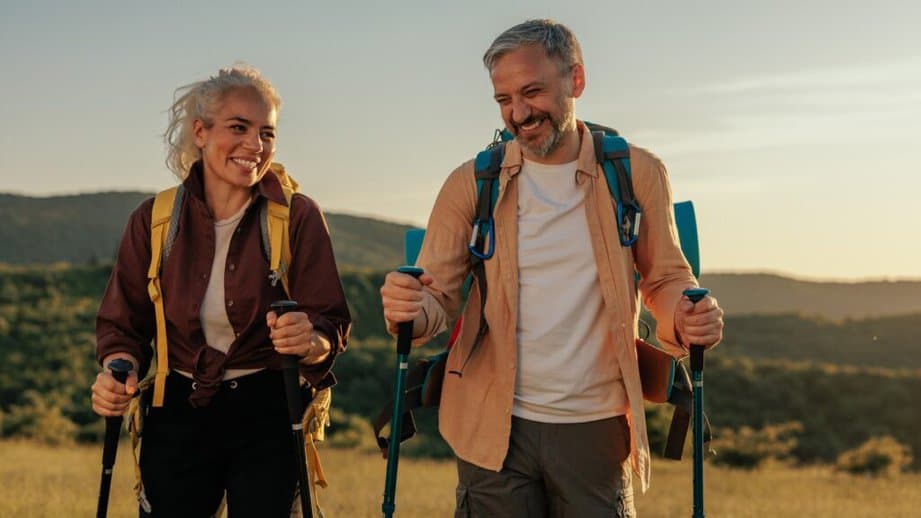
(240, 443)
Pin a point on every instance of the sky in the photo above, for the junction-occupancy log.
(791, 125)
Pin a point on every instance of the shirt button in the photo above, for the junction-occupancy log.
(204, 276)
(507, 411)
(229, 303)
(232, 267)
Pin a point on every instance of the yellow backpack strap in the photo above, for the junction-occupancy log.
(315, 421)
(159, 230)
(134, 423)
(277, 230)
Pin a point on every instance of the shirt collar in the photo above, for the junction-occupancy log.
(585, 162)
(268, 187)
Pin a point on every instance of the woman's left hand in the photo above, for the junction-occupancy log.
(294, 334)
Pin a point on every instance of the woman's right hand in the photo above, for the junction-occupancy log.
(401, 296)
(111, 398)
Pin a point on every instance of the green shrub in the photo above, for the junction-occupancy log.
(748, 448)
(349, 431)
(878, 456)
(40, 421)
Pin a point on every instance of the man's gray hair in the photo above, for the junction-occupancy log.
(557, 40)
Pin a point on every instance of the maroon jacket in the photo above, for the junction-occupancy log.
(126, 322)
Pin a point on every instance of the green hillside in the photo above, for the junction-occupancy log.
(891, 342)
(47, 365)
(747, 293)
(86, 228)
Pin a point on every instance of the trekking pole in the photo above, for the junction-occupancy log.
(119, 369)
(697, 382)
(404, 345)
(290, 367)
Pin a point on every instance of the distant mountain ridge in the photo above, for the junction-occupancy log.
(752, 293)
(87, 227)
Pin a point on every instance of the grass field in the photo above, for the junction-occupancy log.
(39, 481)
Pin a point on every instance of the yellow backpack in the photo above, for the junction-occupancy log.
(274, 223)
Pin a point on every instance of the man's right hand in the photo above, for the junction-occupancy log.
(111, 398)
(401, 296)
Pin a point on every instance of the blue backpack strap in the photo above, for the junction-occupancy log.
(613, 154)
(487, 165)
(686, 223)
(482, 244)
(607, 130)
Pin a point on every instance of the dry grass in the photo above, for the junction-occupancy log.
(43, 481)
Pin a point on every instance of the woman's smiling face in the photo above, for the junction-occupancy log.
(238, 146)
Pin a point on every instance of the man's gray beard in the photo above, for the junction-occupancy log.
(555, 139)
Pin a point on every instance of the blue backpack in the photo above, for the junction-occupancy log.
(664, 379)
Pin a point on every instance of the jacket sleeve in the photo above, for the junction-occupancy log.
(314, 282)
(126, 321)
(444, 252)
(664, 272)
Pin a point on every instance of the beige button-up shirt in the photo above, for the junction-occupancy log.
(475, 413)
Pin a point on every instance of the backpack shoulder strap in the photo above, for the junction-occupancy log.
(482, 245)
(486, 170)
(275, 226)
(613, 155)
(164, 207)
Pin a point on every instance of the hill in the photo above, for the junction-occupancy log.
(85, 228)
(747, 293)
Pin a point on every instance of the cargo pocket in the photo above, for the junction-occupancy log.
(462, 508)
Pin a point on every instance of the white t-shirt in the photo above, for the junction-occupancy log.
(567, 366)
(219, 334)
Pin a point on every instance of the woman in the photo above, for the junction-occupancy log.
(223, 425)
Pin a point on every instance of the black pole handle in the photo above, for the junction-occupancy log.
(280, 307)
(697, 351)
(120, 368)
(290, 364)
(405, 329)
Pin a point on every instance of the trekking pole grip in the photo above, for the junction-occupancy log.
(290, 363)
(697, 351)
(405, 329)
(120, 368)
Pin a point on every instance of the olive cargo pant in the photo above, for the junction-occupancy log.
(553, 470)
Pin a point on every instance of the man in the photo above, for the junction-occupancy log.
(545, 415)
